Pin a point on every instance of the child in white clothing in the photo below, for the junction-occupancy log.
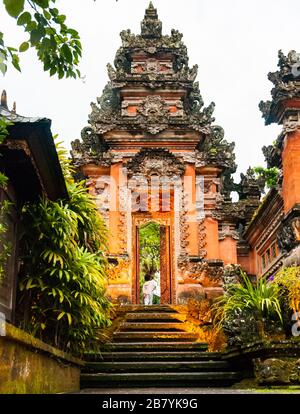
(149, 287)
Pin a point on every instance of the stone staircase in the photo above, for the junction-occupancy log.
(151, 348)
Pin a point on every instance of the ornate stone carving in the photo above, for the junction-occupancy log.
(195, 99)
(216, 151)
(228, 230)
(241, 328)
(152, 73)
(92, 149)
(286, 83)
(296, 228)
(286, 238)
(153, 108)
(19, 145)
(201, 239)
(276, 371)
(231, 275)
(155, 161)
(272, 155)
(151, 26)
(201, 272)
(250, 186)
(291, 123)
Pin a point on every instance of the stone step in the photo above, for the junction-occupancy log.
(177, 379)
(151, 326)
(146, 309)
(154, 356)
(157, 366)
(135, 347)
(153, 317)
(141, 336)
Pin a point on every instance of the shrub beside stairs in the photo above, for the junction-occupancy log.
(151, 348)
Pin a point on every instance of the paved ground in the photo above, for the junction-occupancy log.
(184, 391)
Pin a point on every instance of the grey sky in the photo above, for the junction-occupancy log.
(234, 42)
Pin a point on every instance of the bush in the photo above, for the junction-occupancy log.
(261, 298)
(247, 311)
(288, 280)
(63, 275)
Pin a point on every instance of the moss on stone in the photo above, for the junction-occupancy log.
(29, 366)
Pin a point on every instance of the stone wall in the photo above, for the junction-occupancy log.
(29, 366)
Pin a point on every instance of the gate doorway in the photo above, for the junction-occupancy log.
(153, 270)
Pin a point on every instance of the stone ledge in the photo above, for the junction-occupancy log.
(281, 347)
(15, 334)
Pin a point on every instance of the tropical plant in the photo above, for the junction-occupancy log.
(5, 247)
(269, 175)
(261, 298)
(289, 279)
(150, 247)
(63, 277)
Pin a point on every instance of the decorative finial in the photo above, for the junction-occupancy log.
(151, 6)
(151, 26)
(4, 99)
(14, 108)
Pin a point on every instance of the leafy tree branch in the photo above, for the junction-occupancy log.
(58, 46)
(269, 175)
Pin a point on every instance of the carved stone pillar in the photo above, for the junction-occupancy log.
(114, 241)
(228, 243)
(291, 170)
(211, 189)
(191, 216)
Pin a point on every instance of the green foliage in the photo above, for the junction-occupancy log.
(63, 277)
(4, 124)
(261, 298)
(58, 46)
(289, 279)
(269, 175)
(3, 134)
(5, 247)
(150, 248)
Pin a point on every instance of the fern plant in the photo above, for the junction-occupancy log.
(64, 274)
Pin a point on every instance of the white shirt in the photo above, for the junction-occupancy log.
(149, 287)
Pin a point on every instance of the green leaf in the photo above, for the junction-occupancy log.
(14, 7)
(42, 3)
(73, 32)
(47, 14)
(69, 318)
(60, 315)
(67, 54)
(24, 18)
(31, 26)
(36, 35)
(54, 11)
(61, 73)
(53, 42)
(15, 62)
(52, 71)
(23, 47)
(3, 68)
(61, 18)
